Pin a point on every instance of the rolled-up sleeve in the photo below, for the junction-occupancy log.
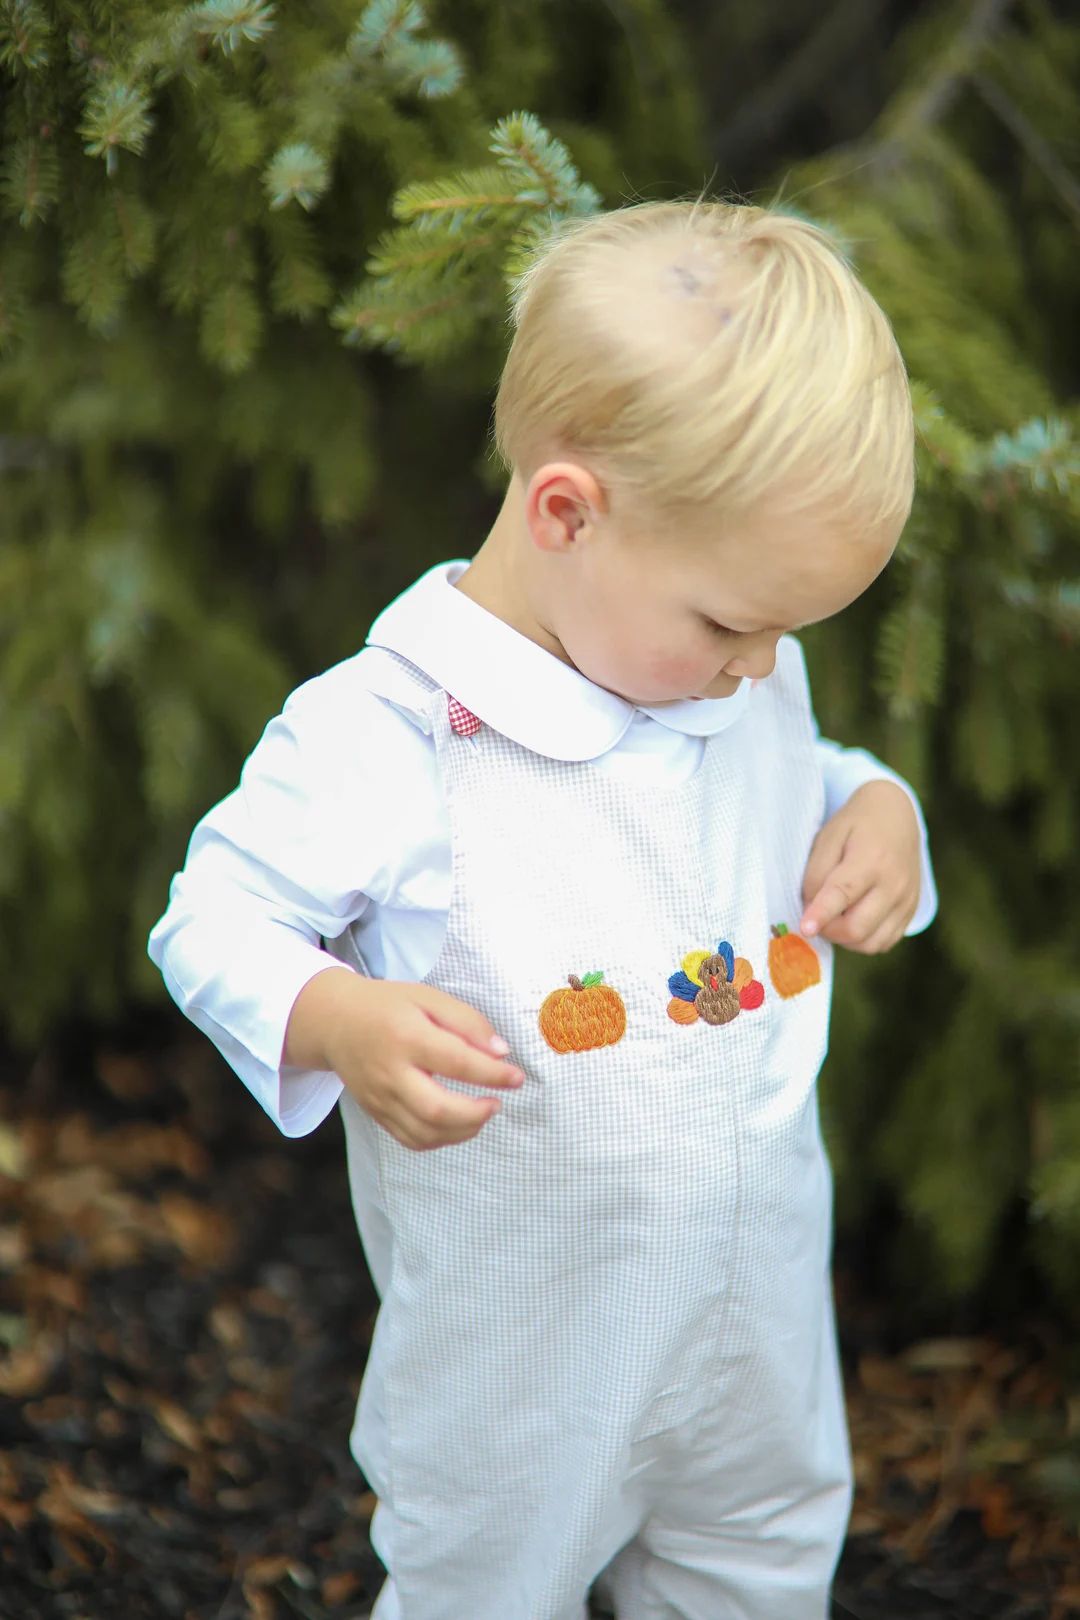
(845, 770)
(287, 859)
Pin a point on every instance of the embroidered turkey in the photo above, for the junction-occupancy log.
(714, 986)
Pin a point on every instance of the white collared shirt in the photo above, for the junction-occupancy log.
(339, 818)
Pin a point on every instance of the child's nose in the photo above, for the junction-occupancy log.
(755, 659)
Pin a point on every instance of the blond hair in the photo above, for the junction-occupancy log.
(708, 355)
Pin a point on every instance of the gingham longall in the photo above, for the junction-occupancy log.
(606, 1344)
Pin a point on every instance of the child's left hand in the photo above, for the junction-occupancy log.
(861, 884)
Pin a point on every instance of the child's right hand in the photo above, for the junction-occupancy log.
(386, 1040)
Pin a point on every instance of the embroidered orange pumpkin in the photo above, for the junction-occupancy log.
(794, 964)
(589, 1014)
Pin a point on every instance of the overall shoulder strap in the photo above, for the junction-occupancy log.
(402, 683)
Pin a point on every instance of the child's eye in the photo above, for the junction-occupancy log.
(720, 629)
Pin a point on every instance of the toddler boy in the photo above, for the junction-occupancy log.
(541, 889)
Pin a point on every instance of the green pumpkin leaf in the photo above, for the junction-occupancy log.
(591, 979)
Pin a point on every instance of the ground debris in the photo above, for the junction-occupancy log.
(184, 1318)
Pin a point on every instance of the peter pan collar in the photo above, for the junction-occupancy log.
(515, 686)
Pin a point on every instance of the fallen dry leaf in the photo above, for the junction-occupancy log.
(30, 1367)
(946, 1355)
(261, 1604)
(15, 1514)
(266, 1571)
(335, 1589)
(12, 1152)
(176, 1422)
(881, 1376)
(128, 1078)
(999, 1517)
(198, 1230)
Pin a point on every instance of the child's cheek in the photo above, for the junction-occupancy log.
(679, 676)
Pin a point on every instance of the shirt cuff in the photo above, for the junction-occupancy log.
(246, 1017)
(845, 770)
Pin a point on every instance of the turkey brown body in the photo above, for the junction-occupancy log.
(717, 1001)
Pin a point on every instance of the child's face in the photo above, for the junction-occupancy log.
(658, 617)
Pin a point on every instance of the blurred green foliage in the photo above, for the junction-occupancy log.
(252, 304)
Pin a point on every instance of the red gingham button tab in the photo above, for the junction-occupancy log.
(462, 720)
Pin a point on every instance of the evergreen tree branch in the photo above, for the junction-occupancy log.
(382, 25)
(296, 173)
(361, 320)
(627, 18)
(912, 114)
(30, 179)
(460, 197)
(432, 66)
(454, 225)
(1058, 604)
(821, 54)
(911, 644)
(406, 253)
(137, 230)
(385, 37)
(1043, 455)
(25, 34)
(984, 20)
(116, 115)
(228, 24)
(524, 147)
(1038, 150)
(458, 201)
(406, 322)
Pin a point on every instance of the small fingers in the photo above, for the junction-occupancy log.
(854, 924)
(441, 1052)
(841, 892)
(893, 929)
(825, 856)
(884, 938)
(457, 1016)
(874, 925)
(430, 1116)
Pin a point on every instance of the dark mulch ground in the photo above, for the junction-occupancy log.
(184, 1314)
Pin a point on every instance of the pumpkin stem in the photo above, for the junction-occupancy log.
(779, 930)
(574, 982)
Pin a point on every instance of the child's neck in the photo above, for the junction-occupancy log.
(497, 580)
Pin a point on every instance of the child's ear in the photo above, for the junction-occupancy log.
(563, 503)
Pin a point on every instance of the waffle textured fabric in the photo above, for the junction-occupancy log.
(605, 1350)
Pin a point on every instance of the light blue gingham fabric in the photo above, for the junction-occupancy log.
(605, 1347)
